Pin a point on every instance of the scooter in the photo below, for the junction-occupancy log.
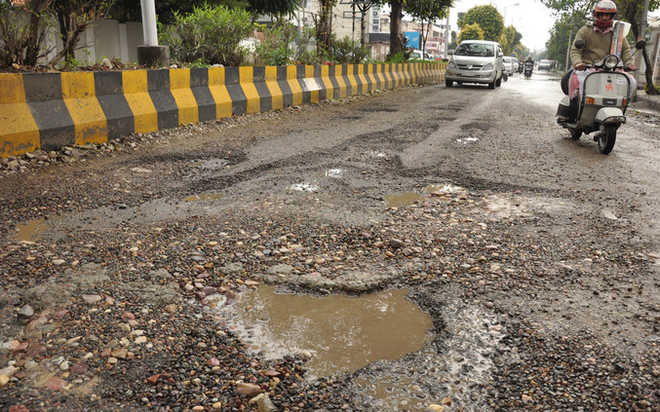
(601, 102)
(529, 68)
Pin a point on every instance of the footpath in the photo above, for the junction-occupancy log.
(652, 101)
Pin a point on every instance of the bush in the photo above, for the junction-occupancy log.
(209, 35)
(348, 51)
(22, 32)
(284, 44)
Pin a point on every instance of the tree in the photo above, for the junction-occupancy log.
(427, 11)
(396, 37)
(363, 7)
(471, 32)
(23, 45)
(324, 26)
(488, 18)
(73, 18)
(561, 34)
(509, 40)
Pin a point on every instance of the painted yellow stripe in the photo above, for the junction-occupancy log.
(363, 79)
(413, 72)
(274, 88)
(246, 80)
(309, 74)
(183, 96)
(327, 83)
(219, 92)
(136, 91)
(79, 95)
(292, 79)
(19, 132)
(339, 75)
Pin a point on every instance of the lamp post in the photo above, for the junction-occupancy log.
(150, 53)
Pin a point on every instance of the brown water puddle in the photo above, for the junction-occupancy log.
(402, 199)
(342, 333)
(31, 230)
(203, 197)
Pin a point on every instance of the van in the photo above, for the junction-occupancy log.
(476, 61)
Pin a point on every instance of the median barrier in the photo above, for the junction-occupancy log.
(50, 110)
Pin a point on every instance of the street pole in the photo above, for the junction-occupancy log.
(447, 34)
(150, 53)
(568, 49)
(149, 27)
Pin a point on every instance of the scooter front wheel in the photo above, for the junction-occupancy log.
(576, 133)
(607, 139)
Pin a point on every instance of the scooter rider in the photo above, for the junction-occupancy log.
(597, 40)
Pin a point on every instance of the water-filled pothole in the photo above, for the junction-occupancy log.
(31, 230)
(402, 199)
(341, 333)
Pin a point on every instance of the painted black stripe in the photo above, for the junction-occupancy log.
(358, 82)
(300, 75)
(323, 92)
(43, 92)
(379, 86)
(259, 80)
(110, 94)
(365, 73)
(238, 99)
(161, 95)
(332, 72)
(386, 73)
(344, 75)
(287, 95)
(199, 83)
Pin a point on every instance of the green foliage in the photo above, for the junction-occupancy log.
(488, 18)
(557, 45)
(427, 11)
(21, 44)
(509, 40)
(400, 57)
(274, 7)
(348, 51)
(210, 34)
(284, 44)
(471, 32)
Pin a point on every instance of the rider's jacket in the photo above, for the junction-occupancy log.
(597, 46)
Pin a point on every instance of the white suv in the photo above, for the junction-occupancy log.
(476, 61)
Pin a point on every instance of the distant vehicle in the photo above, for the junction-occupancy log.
(509, 66)
(546, 65)
(417, 55)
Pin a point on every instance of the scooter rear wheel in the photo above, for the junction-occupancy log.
(607, 139)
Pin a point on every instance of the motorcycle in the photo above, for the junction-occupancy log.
(601, 104)
(529, 68)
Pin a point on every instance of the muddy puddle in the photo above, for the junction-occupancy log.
(402, 199)
(30, 231)
(338, 333)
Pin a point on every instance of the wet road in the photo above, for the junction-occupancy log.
(532, 260)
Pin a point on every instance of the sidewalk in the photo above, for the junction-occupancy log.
(653, 102)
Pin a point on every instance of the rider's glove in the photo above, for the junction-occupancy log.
(631, 67)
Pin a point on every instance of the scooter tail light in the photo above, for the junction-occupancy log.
(590, 100)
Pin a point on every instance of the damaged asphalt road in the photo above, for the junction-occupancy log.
(533, 260)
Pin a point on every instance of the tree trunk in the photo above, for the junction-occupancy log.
(396, 39)
(324, 29)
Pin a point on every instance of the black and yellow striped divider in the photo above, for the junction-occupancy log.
(50, 110)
